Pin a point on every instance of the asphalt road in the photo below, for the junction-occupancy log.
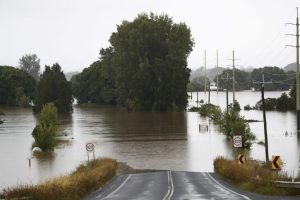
(168, 185)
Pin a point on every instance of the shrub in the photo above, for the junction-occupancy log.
(45, 131)
(247, 107)
(212, 111)
(253, 176)
(233, 124)
(236, 105)
(84, 180)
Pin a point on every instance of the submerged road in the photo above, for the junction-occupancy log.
(166, 185)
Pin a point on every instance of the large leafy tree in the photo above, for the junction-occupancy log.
(30, 63)
(145, 68)
(16, 87)
(53, 87)
(96, 83)
(151, 62)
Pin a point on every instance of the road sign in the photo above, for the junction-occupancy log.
(276, 162)
(241, 159)
(89, 147)
(237, 141)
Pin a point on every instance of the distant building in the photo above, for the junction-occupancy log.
(213, 86)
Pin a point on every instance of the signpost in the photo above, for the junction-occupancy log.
(90, 149)
(276, 163)
(237, 141)
(241, 159)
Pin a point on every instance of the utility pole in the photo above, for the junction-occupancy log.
(217, 72)
(227, 80)
(208, 91)
(297, 74)
(233, 76)
(233, 79)
(262, 84)
(205, 74)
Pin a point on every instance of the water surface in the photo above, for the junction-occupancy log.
(144, 140)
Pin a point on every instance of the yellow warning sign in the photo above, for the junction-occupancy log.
(276, 162)
(241, 159)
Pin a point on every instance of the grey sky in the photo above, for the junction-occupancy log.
(72, 32)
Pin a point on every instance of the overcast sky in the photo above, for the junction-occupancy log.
(72, 32)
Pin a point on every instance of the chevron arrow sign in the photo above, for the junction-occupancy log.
(276, 162)
(241, 159)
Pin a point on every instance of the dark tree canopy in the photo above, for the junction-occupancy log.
(96, 83)
(145, 68)
(30, 64)
(242, 79)
(53, 87)
(16, 87)
(280, 79)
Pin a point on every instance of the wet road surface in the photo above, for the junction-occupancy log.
(166, 185)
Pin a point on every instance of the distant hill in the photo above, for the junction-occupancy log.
(290, 67)
(211, 72)
(70, 74)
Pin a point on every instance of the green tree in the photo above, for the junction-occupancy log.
(279, 78)
(197, 84)
(145, 68)
(16, 87)
(242, 79)
(151, 60)
(45, 131)
(30, 63)
(233, 124)
(53, 87)
(96, 83)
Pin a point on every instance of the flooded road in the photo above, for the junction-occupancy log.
(142, 139)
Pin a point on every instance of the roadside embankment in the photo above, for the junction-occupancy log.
(253, 176)
(85, 179)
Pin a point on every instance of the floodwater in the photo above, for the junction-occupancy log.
(143, 140)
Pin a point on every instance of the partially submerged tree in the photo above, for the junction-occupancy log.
(16, 87)
(45, 131)
(145, 68)
(30, 63)
(53, 87)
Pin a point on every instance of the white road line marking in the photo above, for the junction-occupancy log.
(225, 188)
(170, 187)
(118, 188)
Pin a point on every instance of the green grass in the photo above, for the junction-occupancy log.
(252, 176)
(85, 179)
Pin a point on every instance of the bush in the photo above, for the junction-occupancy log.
(84, 180)
(252, 176)
(212, 111)
(247, 107)
(45, 131)
(194, 109)
(236, 105)
(233, 124)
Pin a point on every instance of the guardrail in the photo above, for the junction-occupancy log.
(287, 184)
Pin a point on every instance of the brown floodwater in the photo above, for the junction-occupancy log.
(145, 140)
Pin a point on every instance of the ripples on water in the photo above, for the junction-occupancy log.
(142, 139)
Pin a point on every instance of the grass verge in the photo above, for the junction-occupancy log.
(84, 180)
(252, 176)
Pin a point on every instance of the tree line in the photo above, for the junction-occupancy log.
(144, 68)
(281, 80)
(19, 87)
